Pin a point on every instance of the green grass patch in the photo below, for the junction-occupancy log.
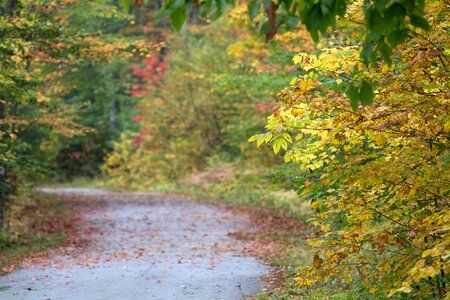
(11, 251)
(76, 182)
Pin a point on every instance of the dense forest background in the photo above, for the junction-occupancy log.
(334, 113)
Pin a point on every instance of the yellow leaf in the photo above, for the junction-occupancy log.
(317, 261)
(348, 280)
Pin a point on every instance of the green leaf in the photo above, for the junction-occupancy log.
(353, 94)
(265, 27)
(366, 94)
(380, 5)
(220, 6)
(205, 8)
(397, 37)
(366, 52)
(125, 4)
(419, 22)
(291, 22)
(253, 8)
(385, 51)
(314, 35)
(376, 22)
(178, 17)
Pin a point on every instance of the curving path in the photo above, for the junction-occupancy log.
(143, 246)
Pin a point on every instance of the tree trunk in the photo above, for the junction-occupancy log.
(3, 196)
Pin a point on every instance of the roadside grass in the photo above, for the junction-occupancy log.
(76, 182)
(34, 223)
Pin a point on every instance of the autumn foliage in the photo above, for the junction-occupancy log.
(377, 176)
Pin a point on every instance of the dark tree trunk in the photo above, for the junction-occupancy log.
(3, 195)
(113, 112)
(8, 9)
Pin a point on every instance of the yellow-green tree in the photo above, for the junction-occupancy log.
(377, 176)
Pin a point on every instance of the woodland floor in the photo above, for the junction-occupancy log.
(141, 246)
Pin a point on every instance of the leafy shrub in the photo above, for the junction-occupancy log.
(377, 176)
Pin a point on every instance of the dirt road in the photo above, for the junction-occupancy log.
(143, 246)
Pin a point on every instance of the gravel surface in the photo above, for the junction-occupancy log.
(144, 247)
